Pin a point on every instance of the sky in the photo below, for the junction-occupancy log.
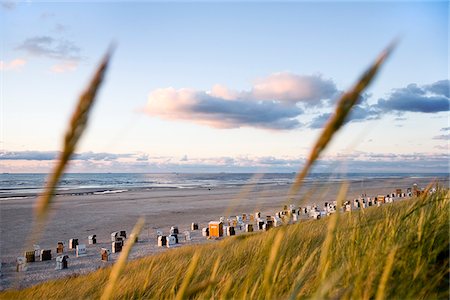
(224, 87)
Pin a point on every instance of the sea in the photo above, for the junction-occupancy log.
(14, 185)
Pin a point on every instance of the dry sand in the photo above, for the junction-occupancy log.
(78, 216)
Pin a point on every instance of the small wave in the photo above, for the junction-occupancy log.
(109, 192)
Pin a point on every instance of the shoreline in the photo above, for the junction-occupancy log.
(82, 215)
(8, 193)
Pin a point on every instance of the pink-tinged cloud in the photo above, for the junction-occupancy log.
(288, 87)
(203, 108)
(278, 101)
(274, 102)
(13, 65)
(223, 92)
(66, 66)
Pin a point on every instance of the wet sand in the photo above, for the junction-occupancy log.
(78, 216)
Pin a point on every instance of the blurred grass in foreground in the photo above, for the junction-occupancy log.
(397, 251)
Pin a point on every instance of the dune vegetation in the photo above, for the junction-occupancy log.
(398, 250)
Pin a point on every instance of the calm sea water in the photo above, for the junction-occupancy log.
(113, 182)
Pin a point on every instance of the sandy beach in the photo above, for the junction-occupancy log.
(78, 215)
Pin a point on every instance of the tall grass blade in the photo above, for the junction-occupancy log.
(226, 289)
(300, 279)
(386, 273)
(121, 262)
(325, 261)
(198, 288)
(188, 277)
(77, 125)
(243, 193)
(343, 107)
(268, 272)
(327, 285)
(149, 273)
(214, 272)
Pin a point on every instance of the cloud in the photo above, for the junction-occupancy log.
(50, 47)
(52, 155)
(268, 161)
(203, 108)
(13, 65)
(274, 102)
(281, 99)
(8, 5)
(363, 162)
(441, 147)
(319, 121)
(431, 98)
(389, 157)
(291, 88)
(142, 157)
(442, 137)
(100, 156)
(60, 28)
(28, 155)
(356, 161)
(359, 113)
(63, 67)
(284, 87)
(441, 87)
(47, 15)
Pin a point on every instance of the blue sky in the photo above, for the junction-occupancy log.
(224, 86)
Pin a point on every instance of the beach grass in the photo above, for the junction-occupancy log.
(398, 251)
